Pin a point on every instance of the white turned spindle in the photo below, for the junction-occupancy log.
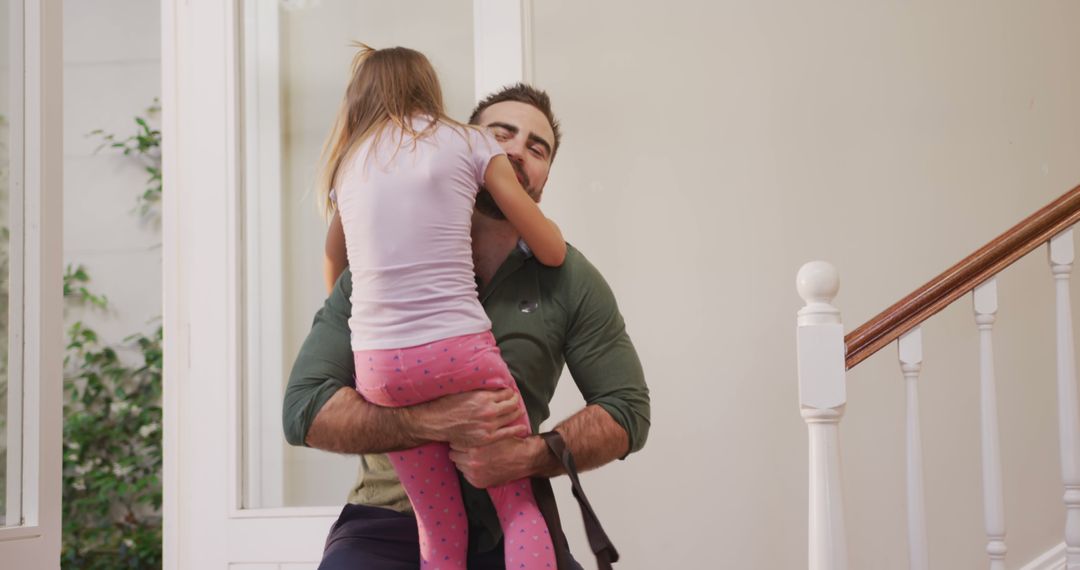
(909, 348)
(822, 395)
(986, 304)
(1061, 260)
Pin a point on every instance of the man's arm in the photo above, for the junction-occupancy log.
(593, 436)
(606, 368)
(348, 424)
(321, 408)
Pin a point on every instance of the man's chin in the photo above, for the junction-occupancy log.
(486, 205)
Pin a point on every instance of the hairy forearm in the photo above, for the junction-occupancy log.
(349, 424)
(593, 437)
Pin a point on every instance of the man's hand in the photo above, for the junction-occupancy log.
(500, 462)
(470, 419)
(592, 435)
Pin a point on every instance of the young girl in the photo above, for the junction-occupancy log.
(402, 179)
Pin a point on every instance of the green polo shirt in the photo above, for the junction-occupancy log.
(542, 318)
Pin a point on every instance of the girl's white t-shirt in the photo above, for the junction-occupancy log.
(406, 210)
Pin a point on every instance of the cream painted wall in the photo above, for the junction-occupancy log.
(711, 148)
(315, 69)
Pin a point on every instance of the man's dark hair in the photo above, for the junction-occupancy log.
(522, 93)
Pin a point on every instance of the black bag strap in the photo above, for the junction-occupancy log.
(598, 539)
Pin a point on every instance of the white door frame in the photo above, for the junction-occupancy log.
(205, 524)
(36, 331)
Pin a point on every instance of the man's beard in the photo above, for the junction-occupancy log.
(486, 205)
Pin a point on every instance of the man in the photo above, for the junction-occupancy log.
(542, 317)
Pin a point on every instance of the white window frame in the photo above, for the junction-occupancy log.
(502, 50)
(36, 293)
(17, 65)
(261, 469)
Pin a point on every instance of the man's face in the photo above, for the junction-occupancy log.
(526, 136)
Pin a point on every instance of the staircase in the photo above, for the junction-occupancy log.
(825, 354)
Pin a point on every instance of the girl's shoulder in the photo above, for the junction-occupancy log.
(463, 129)
(474, 137)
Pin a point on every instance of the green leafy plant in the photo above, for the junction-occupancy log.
(145, 146)
(112, 447)
(75, 288)
(112, 415)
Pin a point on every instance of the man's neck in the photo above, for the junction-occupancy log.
(493, 240)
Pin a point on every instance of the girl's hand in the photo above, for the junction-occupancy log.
(540, 234)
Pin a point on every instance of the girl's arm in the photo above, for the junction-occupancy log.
(540, 234)
(334, 259)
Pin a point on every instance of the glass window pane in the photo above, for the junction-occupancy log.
(296, 66)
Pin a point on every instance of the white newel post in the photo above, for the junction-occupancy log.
(910, 355)
(986, 304)
(822, 396)
(1061, 259)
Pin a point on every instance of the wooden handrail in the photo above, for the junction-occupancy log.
(962, 278)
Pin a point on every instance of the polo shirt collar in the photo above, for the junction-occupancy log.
(518, 256)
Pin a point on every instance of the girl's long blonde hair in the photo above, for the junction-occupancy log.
(388, 86)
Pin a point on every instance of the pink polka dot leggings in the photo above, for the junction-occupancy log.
(403, 377)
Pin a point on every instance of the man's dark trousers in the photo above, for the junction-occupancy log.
(371, 538)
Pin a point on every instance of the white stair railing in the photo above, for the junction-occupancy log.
(822, 396)
(824, 355)
(1061, 260)
(984, 300)
(909, 348)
